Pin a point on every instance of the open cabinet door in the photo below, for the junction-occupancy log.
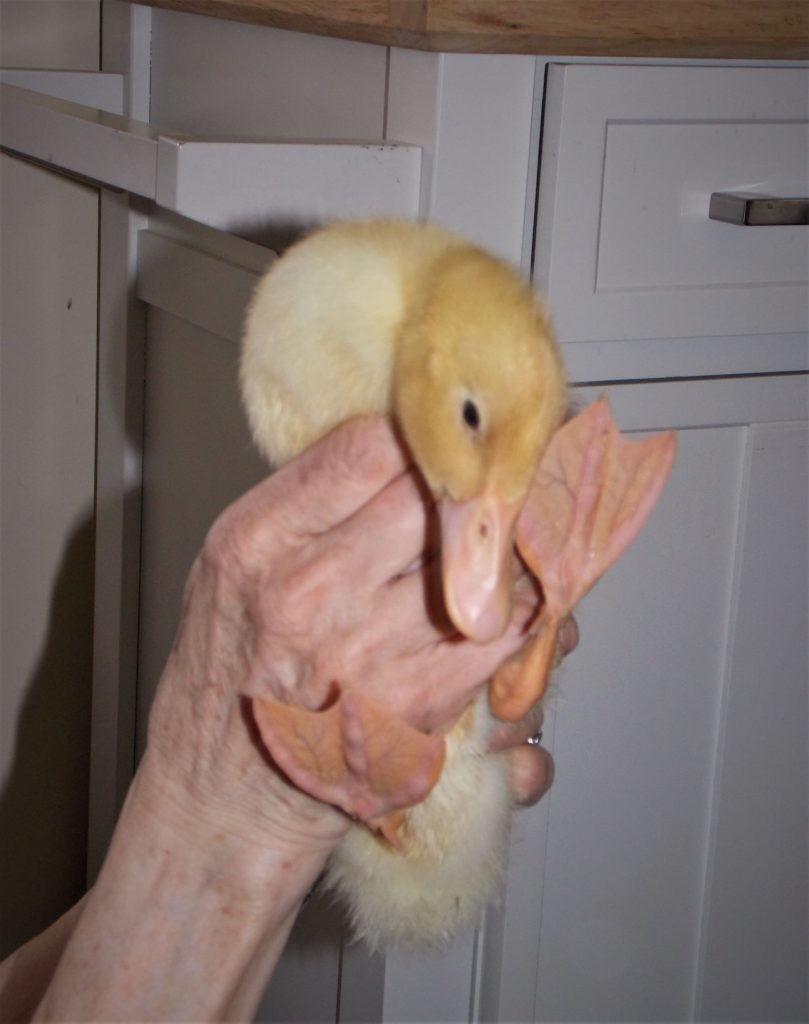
(197, 458)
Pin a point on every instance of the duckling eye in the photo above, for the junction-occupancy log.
(471, 414)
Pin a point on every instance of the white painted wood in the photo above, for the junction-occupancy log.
(604, 909)
(427, 987)
(624, 245)
(362, 984)
(756, 914)
(693, 404)
(241, 252)
(48, 260)
(655, 229)
(215, 77)
(482, 185)
(119, 427)
(281, 184)
(592, 361)
(110, 149)
(50, 34)
(413, 111)
(126, 47)
(90, 88)
(286, 184)
(305, 986)
(198, 456)
(474, 115)
(200, 288)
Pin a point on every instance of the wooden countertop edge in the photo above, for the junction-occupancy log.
(741, 29)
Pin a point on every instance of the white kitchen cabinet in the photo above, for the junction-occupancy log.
(665, 877)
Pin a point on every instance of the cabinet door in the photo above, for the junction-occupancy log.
(49, 230)
(643, 283)
(665, 876)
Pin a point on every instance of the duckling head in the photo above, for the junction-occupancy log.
(478, 389)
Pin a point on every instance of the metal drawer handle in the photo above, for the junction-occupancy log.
(753, 210)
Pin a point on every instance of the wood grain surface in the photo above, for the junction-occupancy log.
(633, 28)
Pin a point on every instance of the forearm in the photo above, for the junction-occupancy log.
(183, 923)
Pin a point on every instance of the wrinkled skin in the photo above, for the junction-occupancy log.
(268, 610)
(311, 578)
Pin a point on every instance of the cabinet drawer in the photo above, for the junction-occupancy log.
(625, 246)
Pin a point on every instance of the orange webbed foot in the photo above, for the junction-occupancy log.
(355, 754)
(592, 494)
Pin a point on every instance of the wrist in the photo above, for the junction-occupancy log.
(206, 768)
(224, 818)
(187, 918)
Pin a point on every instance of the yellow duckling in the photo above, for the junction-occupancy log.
(409, 320)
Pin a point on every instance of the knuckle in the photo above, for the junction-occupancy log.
(234, 543)
(224, 542)
(362, 449)
(302, 594)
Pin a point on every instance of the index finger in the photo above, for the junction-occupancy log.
(336, 477)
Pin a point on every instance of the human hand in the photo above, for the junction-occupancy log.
(310, 579)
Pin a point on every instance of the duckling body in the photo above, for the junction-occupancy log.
(323, 326)
(412, 321)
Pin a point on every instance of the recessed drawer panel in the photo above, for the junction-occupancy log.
(625, 245)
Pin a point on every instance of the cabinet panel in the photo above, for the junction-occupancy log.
(50, 33)
(669, 858)
(654, 229)
(634, 734)
(198, 457)
(756, 906)
(430, 986)
(218, 77)
(49, 230)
